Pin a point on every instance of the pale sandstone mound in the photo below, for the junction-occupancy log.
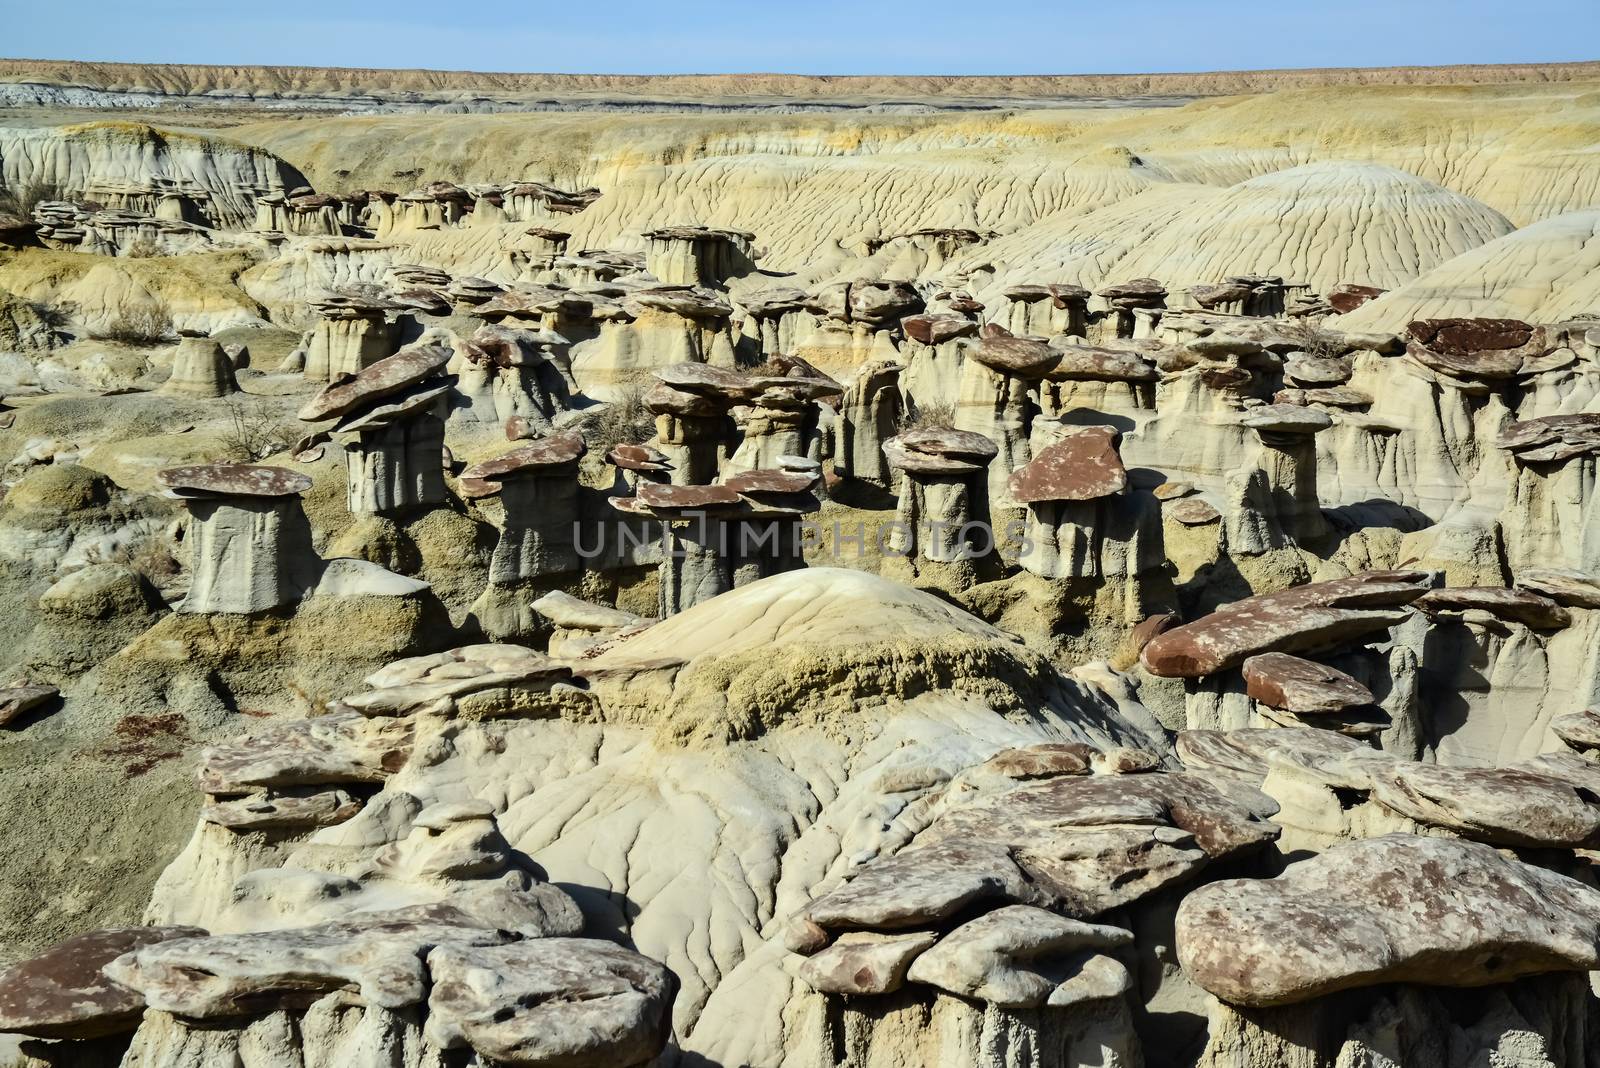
(808, 646)
(159, 295)
(1078, 246)
(1546, 273)
(1322, 223)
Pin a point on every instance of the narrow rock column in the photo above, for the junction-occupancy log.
(693, 566)
(692, 403)
(691, 431)
(993, 401)
(1258, 296)
(771, 315)
(350, 333)
(391, 426)
(869, 415)
(679, 326)
(397, 468)
(1065, 489)
(943, 488)
(1122, 302)
(533, 376)
(1275, 499)
(1551, 516)
(698, 255)
(776, 426)
(783, 420)
(1111, 381)
(933, 353)
(848, 324)
(538, 489)
(696, 562)
(765, 536)
(249, 542)
(1045, 310)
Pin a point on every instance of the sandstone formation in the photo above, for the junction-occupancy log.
(950, 575)
(247, 533)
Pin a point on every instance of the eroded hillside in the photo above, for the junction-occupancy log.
(1018, 588)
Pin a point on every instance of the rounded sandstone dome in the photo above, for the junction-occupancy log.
(813, 645)
(60, 489)
(1322, 223)
(1545, 273)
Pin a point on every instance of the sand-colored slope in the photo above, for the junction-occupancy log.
(803, 189)
(88, 159)
(1547, 272)
(1323, 223)
(1526, 151)
(1079, 247)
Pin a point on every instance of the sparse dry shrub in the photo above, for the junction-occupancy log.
(154, 559)
(142, 249)
(624, 421)
(928, 417)
(145, 324)
(256, 430)
(1313, 340)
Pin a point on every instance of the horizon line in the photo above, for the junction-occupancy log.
(820, 77)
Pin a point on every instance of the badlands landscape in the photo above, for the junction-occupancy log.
(781, 572)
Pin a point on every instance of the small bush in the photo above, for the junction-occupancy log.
(144, 325)
(142, 249)
(256, 430)
(928, 417)
(624, 421)
(1311, 339)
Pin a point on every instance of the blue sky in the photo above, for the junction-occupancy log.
(809, 36)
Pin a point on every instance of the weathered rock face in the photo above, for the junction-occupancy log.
(1394, 909)
(697, 256)
(1079, 846)
(1475, 348)
(940, 820)
(943, 501)
(1302, 686)
(1081, 524)
(64, 992)
(1579, 730)
(1319, 616)
(869, 414)
(351, 333)
(389, 421)
(569, 1000)
(1519, 606)
(1540, 804)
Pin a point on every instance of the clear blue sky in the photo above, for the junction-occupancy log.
(808, 36)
